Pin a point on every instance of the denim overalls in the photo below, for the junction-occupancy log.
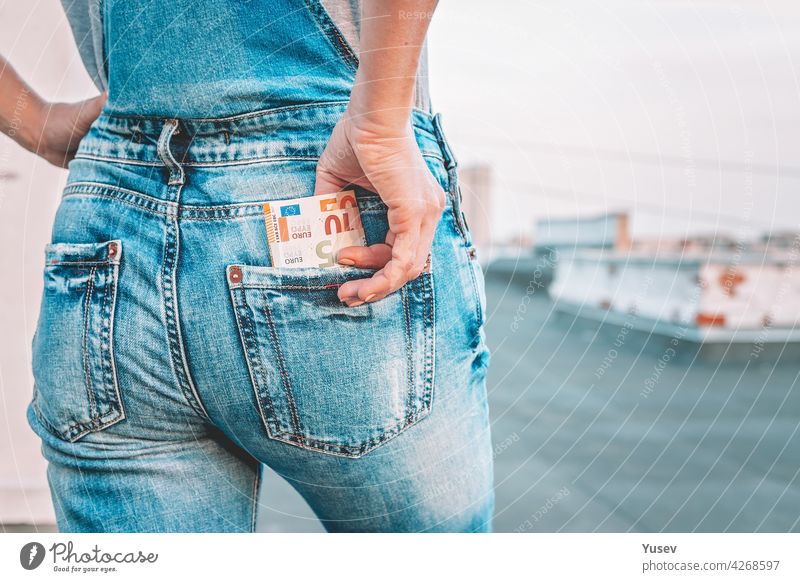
(171, 361)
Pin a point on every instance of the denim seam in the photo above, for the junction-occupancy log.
(129, 161)
(410, 375)
(271, 112)
(223, 163)
(253, 359)
(101, 423)
(112, 120)
(101, 263)
(169, 288)
(296, 287)
(93, 412)
(333, 34)
(169, 271)
(466, 244)
(349, 450)
(138, 198)
(287, 385)
(430, 353)
(115, 121)
(116, 199)
(171, 313)
(249, 161)
(104, 342)
(111, 352)
(254, 506)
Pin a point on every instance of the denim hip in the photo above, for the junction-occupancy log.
(160, 233)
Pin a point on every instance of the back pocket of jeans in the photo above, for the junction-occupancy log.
(327, 377)
(75, 384)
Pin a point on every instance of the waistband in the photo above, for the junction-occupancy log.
(297, 132)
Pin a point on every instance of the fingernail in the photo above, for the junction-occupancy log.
(369, 297)
(346, 262)
(356, 303)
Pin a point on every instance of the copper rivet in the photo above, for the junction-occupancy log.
(236, 274)
(112, 250)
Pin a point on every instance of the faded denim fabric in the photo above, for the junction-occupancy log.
(139, 47)
(170, 361)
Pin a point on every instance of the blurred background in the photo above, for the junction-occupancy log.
(630, 172)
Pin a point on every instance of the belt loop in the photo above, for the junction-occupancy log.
(450, 161)
(176, 175)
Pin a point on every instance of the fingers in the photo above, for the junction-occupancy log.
(88, 111)
(371, 257)
(390, 278)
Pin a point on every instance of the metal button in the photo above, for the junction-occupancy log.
(235, 274)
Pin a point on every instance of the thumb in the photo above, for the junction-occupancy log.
(94, 106)
(90, 110)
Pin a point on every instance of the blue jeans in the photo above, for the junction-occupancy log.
(170, 361)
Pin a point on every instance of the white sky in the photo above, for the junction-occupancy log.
(574, 103)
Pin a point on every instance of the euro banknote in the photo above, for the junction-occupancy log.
(310, 231)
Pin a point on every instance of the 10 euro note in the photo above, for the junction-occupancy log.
(310, 231)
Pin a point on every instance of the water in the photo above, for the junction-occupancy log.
(597, 433)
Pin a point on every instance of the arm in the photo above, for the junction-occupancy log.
(50, 130)
(373, 146)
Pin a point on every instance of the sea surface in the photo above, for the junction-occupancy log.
(597, 429)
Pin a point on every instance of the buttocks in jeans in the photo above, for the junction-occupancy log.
(171, 360)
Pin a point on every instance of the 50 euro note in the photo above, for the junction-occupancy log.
(310, 231)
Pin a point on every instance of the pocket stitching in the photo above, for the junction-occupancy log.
(287, 386)
(430, 341)
(97, 421)
(106, 344)
(253, 360)
(409, 350)
(87, 372)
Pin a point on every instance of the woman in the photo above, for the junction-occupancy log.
(171, 358)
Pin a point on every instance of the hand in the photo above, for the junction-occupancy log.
(63, 125)
(383, 157)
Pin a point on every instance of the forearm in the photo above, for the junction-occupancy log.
(20, 108)
(392, 35)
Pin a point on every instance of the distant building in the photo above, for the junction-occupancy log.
(782, 239)
(557, 235)
(606, 231)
